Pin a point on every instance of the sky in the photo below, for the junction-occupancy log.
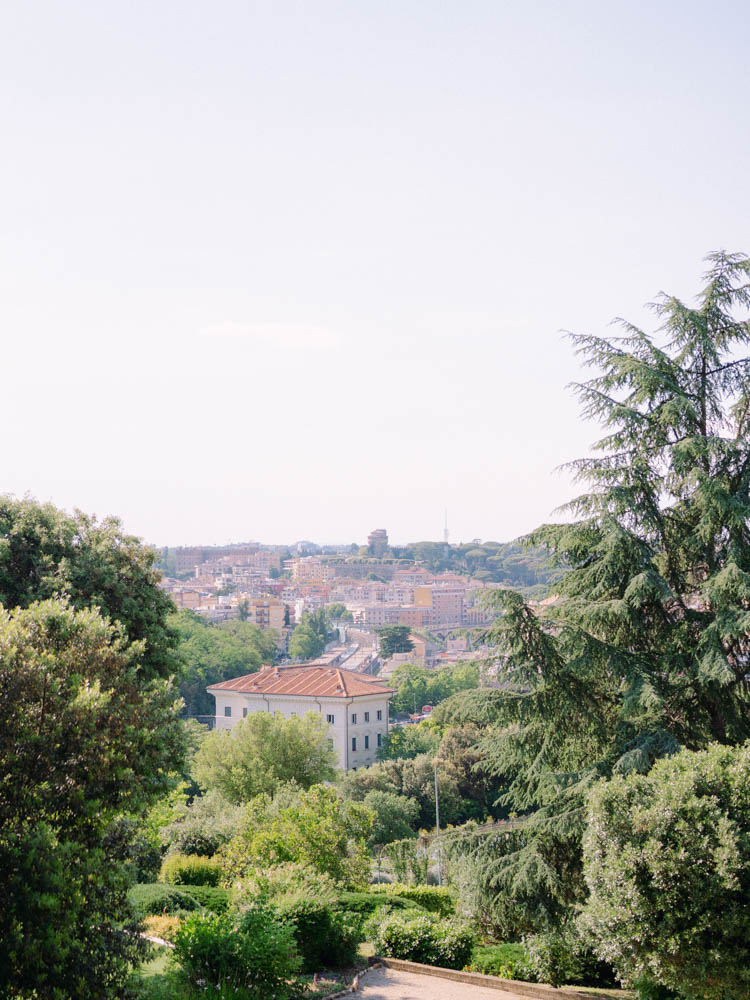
(287, 270)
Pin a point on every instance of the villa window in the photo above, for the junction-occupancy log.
(380, 715)
(380, 739)
(330, 719)
(367, 716)
(354, 718)
(244, 713)
(227, 710)
(354, 742)
(367, 742)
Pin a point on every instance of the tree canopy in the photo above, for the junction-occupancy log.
(263, 751)
(45, 553)
(84, 739)
(394, 639)
(646, 651)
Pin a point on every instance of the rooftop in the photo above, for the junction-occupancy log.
(305, 680)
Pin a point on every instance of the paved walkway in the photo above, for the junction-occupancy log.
(393, 984)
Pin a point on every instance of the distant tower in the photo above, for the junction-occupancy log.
(445, 529)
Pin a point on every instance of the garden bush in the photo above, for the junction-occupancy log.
(204, 826)
(507, 960)
(213, 898)
(190, 869)
(667, 865)
(436, 899)
(155, 898)
(425, 939)
(560, 956)
(248, 957)
(281, 880)
(326, 938)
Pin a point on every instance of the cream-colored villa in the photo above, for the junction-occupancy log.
(354, 705)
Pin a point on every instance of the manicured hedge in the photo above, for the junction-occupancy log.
(435, 898)
(425, 939)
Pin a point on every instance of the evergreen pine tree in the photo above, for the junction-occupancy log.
(647, 649)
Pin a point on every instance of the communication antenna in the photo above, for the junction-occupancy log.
(445, 529)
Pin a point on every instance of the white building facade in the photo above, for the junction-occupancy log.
(354, 705)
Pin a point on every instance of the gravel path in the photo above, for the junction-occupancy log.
(393, 984)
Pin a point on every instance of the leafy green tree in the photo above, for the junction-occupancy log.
(417, 686)
(338, 611)
(305, 644)
(395, 817)
(316, 827)
(210, 654)
(667, 863)
(88, 734)
(46, 553)
(394, 639)
(264, 751)
(647, 649)
(310, 637)
(243, 610)
(409, 741)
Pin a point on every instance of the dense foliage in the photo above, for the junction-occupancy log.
(326, 936)
(47, 553)
(190, 869)
(263, 751)
(251, 954)
(667, 863)
(510, 563)
(85, 737)
(646, 650)
(211, 653)
(310, 637)
(202, 827)
(393, 639)
(417, 686)
(425, 939)
(316, 828)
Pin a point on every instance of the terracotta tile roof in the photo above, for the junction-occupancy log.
(311, 681)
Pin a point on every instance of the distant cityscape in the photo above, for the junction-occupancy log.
(375, 585)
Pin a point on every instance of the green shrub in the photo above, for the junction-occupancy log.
(190, 869)
(667, 865)
(504, 960)
(425, 939)
(560, 956)
(213, 898)
(281, 880)
(154, 898)
(435, 898)
(249, 957)
(326, 937)
(204, 826)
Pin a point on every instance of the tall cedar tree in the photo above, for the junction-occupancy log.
(648, 646)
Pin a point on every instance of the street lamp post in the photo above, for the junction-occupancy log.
(437, 828)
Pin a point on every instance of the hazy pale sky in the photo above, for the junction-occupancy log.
(283, 270)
